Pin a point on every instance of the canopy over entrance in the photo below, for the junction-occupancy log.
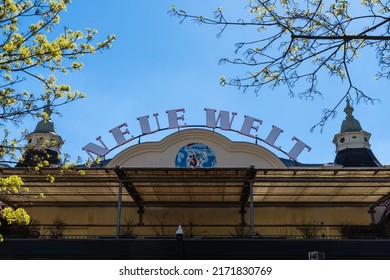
(200, 186)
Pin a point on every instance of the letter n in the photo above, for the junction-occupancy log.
(92, 148)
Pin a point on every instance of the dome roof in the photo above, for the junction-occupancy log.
(352, 143)
(45, 126)
(350, 123)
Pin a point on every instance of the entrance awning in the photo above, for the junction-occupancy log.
(200, 187)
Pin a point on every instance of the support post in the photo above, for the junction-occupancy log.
(141, 211)
(119, 213)
(252, 216)
(243, 212)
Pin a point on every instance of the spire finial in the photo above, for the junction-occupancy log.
(47, 109)
(348, 109)
(350, 123)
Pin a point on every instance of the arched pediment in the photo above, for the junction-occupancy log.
(227, 153)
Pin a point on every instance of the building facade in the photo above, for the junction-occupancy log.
(213, 187)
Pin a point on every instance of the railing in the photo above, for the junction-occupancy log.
(152, 232)
(166, 237)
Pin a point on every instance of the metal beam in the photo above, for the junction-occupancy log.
(119, 213)
(127, 183)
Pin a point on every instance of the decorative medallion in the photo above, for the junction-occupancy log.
(195, 155)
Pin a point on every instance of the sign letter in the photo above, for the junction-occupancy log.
(247, 126)
(145, 127)
(297, 149)
(223, 118)
(118, 134)
(95, 149)
(173, 118)
(272, 136)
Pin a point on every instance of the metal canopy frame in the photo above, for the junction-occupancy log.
(243, 186)
(215, 187)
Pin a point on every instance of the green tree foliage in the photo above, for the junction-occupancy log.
(12, 185)
(298, 41)
(32, 51)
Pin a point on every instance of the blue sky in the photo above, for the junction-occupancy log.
(157, 64)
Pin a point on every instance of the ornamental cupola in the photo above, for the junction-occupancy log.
(43, 144)
(352, 143)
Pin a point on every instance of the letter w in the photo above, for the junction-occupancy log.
(223, 119)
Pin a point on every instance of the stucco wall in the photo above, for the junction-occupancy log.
(202, 222)
(228, 153)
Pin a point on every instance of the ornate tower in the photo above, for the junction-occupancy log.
(352, 143)
(43, 144)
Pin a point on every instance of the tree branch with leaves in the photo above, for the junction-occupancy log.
(298, 41)
(33, 53)
(28, 54)
(12, 185)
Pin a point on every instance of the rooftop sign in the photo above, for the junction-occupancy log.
(176, 120)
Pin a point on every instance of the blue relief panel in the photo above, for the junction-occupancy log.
(195, 155)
